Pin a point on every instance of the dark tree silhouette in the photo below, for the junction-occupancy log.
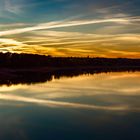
(13, 60)
(30, 68)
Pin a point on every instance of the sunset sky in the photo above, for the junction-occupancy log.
(96, 28)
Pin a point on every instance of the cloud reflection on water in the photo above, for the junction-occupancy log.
(61, 104)
(113, 91)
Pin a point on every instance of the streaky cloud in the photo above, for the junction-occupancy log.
(61, 24)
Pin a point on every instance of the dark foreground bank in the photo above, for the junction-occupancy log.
(13, 60)
(29, 68)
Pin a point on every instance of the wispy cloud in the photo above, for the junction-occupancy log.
(73, 43)
(9, 41)
(12, 7)
(62, 24)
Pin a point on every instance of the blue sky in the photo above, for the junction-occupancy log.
(106, 28)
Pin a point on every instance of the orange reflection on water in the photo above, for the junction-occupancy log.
(106, 91)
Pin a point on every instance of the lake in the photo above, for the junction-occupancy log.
(103, 106)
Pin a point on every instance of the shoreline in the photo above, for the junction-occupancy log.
(9, 76)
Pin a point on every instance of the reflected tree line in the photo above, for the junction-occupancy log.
(31, 69)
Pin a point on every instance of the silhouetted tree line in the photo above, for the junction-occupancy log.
(14, 60)
(32, 68)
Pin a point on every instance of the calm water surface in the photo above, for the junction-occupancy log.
(87, 107)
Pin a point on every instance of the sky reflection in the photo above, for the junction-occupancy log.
(112, 91)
